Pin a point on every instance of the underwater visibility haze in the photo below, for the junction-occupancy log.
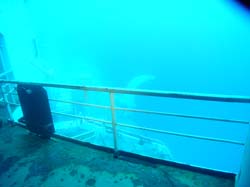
(181, 46)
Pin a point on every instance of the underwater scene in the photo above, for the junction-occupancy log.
(198, 48)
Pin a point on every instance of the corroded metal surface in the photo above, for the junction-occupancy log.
(27, 160)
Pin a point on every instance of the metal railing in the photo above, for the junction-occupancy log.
(113, 91)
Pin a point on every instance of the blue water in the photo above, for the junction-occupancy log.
(187, 46)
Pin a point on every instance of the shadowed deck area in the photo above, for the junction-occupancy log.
(27, 160)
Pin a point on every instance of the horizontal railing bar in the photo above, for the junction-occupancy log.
(156, 130)
(182, 134)
(10, 92)
(83, 134)
(14, 104)
(76, 103)
(145, 138)
(69, 115)
(181, 115)
(82, 117)
(148, 129)
(154, 112)
(177, 95)
(79, 103)
(5, 73)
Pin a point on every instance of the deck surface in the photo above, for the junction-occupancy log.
(27, 160)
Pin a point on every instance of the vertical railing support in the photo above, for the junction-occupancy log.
(242, 178)
(10, 118)
(112, 108)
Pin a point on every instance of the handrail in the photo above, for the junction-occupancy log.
(80, 103)
(149, 111)
(146, 128)
(182, 134)
(113, 109)
(183, 115)
(177, 95)
(81, 117)
(5, 73)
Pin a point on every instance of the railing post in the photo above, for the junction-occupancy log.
(6, 103)
(242, 178)
(112, 108)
